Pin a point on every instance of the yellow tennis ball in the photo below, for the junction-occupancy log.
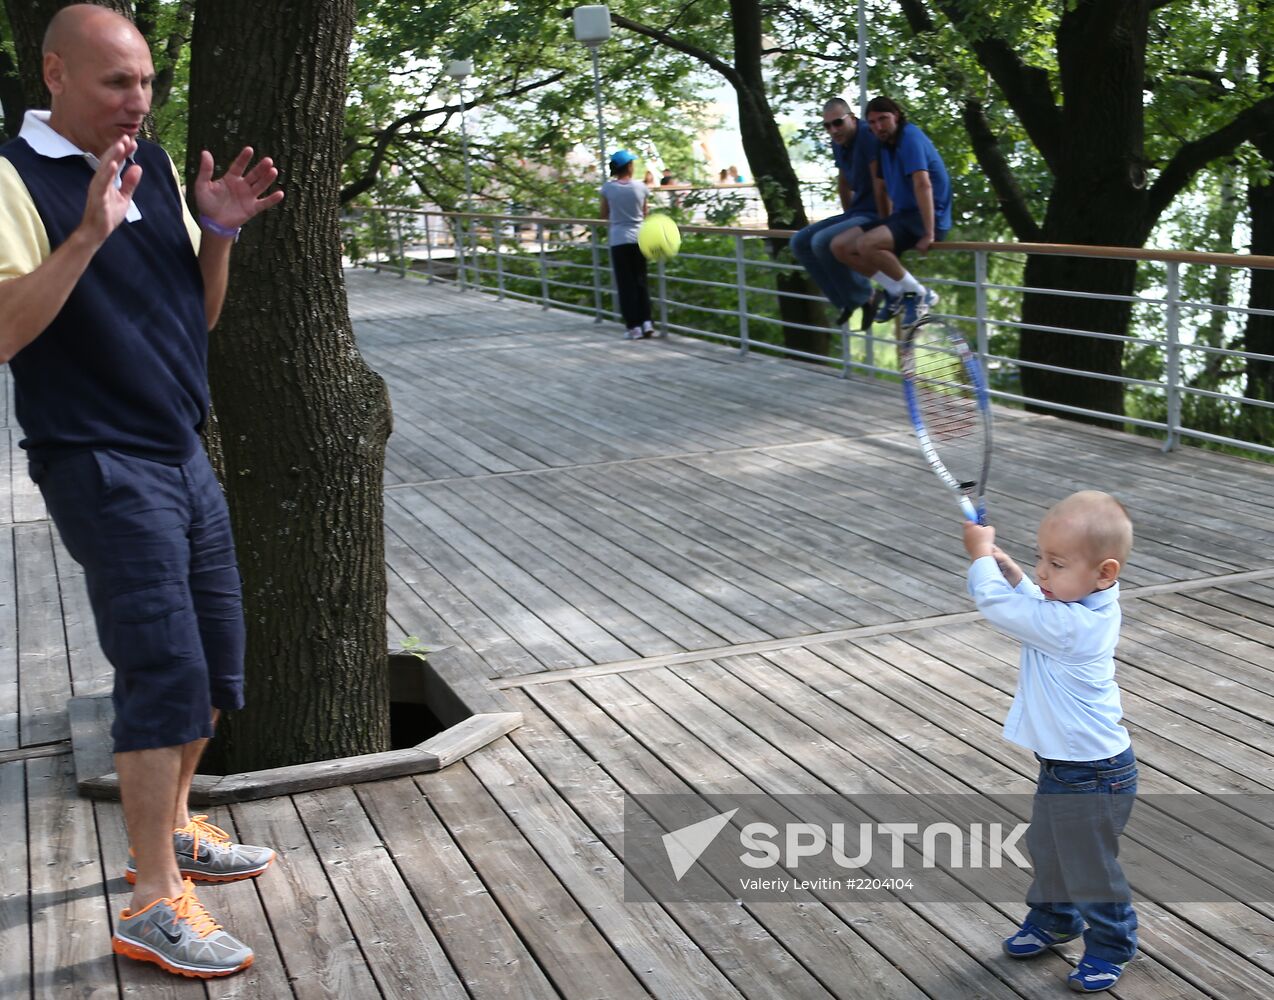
(658, 237)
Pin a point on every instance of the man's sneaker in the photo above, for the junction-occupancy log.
(916, 306)
(870, 308)
(1093, 975)
(180, 936)
(647, 329)
(633, 333)
(1031, 940)
(889, 308)
(206, 854)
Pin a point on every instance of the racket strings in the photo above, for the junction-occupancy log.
(947, 399)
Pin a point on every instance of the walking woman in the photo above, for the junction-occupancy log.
(624, 206)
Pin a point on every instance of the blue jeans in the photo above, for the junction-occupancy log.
(1080, 810)
(812, 246)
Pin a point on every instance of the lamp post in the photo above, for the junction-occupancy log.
(592, 27)
(862, 59)
(458, 70)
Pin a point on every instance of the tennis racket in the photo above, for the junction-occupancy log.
(950, 409)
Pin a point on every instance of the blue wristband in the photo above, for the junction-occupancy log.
(217, 229)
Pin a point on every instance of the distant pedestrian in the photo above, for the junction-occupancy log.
(624, 206)
(919, 191)
(853, 151)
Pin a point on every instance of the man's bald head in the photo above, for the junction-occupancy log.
(98, 69)
(72, 26)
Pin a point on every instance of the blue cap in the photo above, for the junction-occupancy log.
(621, 158)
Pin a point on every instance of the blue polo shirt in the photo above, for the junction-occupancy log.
(854, 163)
(914, 151)
(123, 366)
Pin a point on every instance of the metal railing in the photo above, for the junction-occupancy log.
(721, 287)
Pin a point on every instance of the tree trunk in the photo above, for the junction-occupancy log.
(13, 103)
(1259, 332)
(29, 19)
(303, 419)
(1099, 198)
(776, 181)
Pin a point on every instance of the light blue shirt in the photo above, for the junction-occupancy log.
(1067, 702)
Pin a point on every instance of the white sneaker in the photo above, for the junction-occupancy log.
(633, 333)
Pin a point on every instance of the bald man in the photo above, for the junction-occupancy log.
(108, 288)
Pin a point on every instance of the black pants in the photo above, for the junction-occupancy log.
(629, 265)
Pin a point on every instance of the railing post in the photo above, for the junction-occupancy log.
(1172, 376)
(979, 297)
(597, 277)
(429, 250)
(402, 249)
(499, 260)
(741, 280)
(846, 353)
(663, 297)
(458, 250)
(544, 265)
(869, 350)
(375, 240)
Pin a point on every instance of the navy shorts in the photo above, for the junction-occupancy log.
(158, 557)
(906, 228)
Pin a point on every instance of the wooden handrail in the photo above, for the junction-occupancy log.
(1054, 249)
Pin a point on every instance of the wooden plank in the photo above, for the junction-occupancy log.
(490, 958)
(319, 948)
(567, 945)
(44, 677)
(650, 942)
(15, 899)
(465, 737)
(70, 928)
(758, 965)
(397, 944)
(832, 946)
(9, 698)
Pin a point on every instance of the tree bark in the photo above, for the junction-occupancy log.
(29, 19)
(1259, 333)
(12, 101)
(303, 419)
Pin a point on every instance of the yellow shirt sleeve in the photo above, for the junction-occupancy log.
(192, 227)
(24, 242)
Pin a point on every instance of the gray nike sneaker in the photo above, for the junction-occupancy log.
(180, 935)
(206, 853)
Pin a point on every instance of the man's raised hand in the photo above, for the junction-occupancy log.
(238, 195)
(106, 205)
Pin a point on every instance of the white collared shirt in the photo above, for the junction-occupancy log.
(1067, 704)
(45, 140)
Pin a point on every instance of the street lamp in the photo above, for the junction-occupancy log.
(458, 69)
(592, 27)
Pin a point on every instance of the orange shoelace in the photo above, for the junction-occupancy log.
(200, 829)
(188, 908)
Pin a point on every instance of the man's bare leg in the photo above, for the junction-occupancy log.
(190, 756)
(148, 782)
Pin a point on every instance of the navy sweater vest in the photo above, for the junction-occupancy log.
(124, 365)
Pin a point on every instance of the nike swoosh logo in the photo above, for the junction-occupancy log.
(172, 938)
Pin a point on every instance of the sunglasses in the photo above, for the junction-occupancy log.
(835, 122)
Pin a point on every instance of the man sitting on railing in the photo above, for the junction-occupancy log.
(853, 149)
(919, 190)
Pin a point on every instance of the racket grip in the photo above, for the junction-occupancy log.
(972, 513)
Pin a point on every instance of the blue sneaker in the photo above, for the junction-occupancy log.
(1093, 975)
(916, 307)
(888, 308)
(1031, 940)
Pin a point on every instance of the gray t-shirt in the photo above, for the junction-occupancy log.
(625, 199)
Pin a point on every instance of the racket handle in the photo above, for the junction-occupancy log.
(971, 512)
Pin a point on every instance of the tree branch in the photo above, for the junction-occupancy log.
(386, 136)
(664, 38)
(1194, 156)
(1027, 88)
(990, 157)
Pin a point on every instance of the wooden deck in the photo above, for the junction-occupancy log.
(692, 574)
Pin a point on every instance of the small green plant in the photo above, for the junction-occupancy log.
(413, 646)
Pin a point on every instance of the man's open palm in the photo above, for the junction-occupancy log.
(239, 194)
